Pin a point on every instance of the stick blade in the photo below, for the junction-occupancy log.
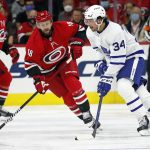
(93, 134)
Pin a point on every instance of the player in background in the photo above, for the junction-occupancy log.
(122, 57)
(5, 76)
(46, 50)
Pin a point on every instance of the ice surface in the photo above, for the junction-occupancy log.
(55, 127)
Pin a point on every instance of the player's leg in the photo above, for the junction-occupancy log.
(134, 103)
(5, 80)
(144, 96)
(127, 77)
(71, 80)
(58, 88)
(79, 97)
(69, 101)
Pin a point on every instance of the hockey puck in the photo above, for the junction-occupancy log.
(76, 138)
(83, 137)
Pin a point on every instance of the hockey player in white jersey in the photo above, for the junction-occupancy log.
(122, 57)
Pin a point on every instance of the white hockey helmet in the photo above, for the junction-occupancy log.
(94, 12)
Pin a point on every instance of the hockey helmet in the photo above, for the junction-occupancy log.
(94, 12)
(43, 16)
(147, 30)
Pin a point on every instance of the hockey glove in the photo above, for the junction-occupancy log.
(40, 84)
(76, 47)
(13, 52)
(101, 66)
(104, 85)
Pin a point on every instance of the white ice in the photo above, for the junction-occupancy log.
(54, 128)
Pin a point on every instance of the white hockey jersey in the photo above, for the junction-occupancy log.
(115, 45)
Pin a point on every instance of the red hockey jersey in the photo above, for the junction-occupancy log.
(25, 28)
(2, 30)
(46, 53)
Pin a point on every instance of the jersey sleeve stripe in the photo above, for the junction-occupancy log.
(116, 63)
(28, 63)
(137, 52)
(29, 66)
(20, 36)
(108, 77)
(120, 56)
(95, 47)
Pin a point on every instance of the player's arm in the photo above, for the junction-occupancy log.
(77, 41)
(7, 48)
(35, 71)
(32, 69)
(100, 64)
(81, 33)
(93, 44)
(31, 62)
(23, 36)
(117, 61)
(117, 54)
(2, 37)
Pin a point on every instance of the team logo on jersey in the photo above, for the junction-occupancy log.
(70, 23)
(30, 52)
(2, 23)
(55, 55)
(2, 35)
(105, 50)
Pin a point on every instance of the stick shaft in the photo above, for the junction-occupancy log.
(97, 116)
(26, 102)
(17, 111)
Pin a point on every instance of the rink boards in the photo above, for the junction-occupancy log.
(22, 86)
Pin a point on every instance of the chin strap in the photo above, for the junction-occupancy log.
(98, 25)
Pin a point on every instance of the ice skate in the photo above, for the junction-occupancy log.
(143, 128)
(4, 113)
(148, 113)
(89, 120)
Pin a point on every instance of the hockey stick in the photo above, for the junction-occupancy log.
(17, 111)
(97, 116)
(23, 105)
(93, 135)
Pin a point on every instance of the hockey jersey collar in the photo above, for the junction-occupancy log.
(106, 24)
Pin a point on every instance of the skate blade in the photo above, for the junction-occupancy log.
(2, 118)
(144, 133)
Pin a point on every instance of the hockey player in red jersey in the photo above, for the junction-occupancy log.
(46, 50)
(5, 76)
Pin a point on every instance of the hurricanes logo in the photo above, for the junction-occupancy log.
(30, 52)
(2, 35)
(55, 55)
